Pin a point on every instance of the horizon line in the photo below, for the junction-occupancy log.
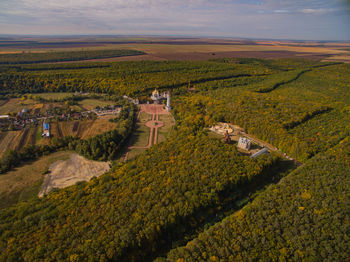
(172, 36)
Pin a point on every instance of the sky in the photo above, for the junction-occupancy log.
(272, 19)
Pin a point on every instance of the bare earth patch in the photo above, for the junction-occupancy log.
(68, 172)
(24, 182)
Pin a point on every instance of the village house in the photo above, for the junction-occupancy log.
(46, 130)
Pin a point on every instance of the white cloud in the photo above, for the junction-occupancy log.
(199, 17)
(317, 11)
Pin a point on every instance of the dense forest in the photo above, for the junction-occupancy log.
(135, 209)
(123, 78)
(181, 199)
(302, 218)
(46, 57)
(107, 146)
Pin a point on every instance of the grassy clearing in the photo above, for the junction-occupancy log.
(98, 126)
(141, 133)
(15, 105)
(140, 136)
(144, 117)
(166, 130)
(38, 134)
(2, 102)
(89, 104)
(24, 183)
(135, 152)
(82, 129)
(211, 134)
(9, 140)
(55, 95)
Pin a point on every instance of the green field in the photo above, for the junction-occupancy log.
(54, 96)
(89, 104)
(140, 136)
(165, 131)
(132, 153)
(141, 133)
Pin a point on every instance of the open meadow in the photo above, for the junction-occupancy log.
(55, 96)
(165, 131)
(89, 104)
(15, 105)
(25, 182)
(81, 128)
(154, 125)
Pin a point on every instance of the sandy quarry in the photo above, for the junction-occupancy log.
(68, 172)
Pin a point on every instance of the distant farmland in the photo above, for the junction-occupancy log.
(32, 58)
(159, 49)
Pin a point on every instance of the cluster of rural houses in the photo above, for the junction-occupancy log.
(21, 120)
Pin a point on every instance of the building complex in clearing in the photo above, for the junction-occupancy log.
(158, 98)
(230, 131)
(222, 128)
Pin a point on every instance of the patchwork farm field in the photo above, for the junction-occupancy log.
(161, 49)
(15, 105)
(29, 133)
(82, 129)
(16, 140)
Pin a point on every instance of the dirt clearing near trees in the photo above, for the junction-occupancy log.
(24, 182)
(64, 173)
